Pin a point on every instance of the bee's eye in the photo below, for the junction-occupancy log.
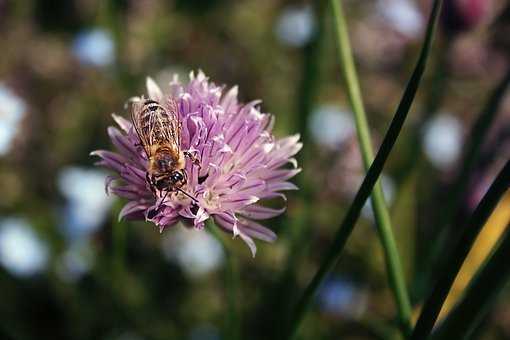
(177, 176)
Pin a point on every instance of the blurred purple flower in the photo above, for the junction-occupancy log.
(402, 15)
(464, 15)
(241, 163)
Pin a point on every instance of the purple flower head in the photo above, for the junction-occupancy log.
(240, 163)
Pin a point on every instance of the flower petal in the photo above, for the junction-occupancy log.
(229, 100)
(122, 122)
(122, 143)
(133, 175)
(259, 212)
(229, 222)
(132, 210)
(256, 230)
(281, 186)
(128, 191)
(280, 175)
(249, 241)
(108, 182)
(153, 90)
(110, 159)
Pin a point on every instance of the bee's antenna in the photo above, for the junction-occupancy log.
(185, 193)
(180, 190)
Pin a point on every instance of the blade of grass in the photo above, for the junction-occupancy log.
(480, 295)
(457, 190)
(477, 220)
(347, 225)
(231, 285)
(381, 214)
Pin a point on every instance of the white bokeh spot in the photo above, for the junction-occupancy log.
(195, 251)
(442, 140)
(12, 111)
(87, 203)
(330, 125)
(22, 252)
(295, 26)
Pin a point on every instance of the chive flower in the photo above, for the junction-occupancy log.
(240, 163)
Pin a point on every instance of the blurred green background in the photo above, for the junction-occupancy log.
(69, 270)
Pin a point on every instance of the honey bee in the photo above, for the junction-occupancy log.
(159, 130)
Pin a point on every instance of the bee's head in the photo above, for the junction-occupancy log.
(162, 183)
(152, 105)
(176, 179)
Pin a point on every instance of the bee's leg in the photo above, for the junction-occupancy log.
(194, 159)
(152, 213)
(163, 199)
(149, 180)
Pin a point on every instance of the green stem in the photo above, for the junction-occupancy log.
(333, 253)
(476, 222)
(232, 282)
(119, 248)
(309, 84)
(231, 285)
(480, 295)
(382, 216)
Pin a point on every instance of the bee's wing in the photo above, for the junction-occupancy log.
(174, 130)
(136, 118)
(157, 126)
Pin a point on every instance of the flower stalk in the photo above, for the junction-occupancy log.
(382, 216)
(231, 277)
(119, 235)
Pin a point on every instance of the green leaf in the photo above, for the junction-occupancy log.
(480, 295)
(476, 222)
(458, 188)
